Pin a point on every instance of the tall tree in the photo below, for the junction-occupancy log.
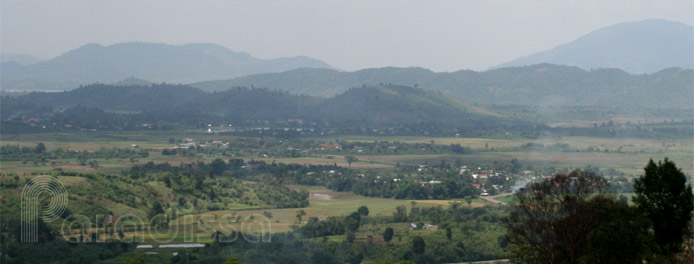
(664, 197)
(40, 147)
(559, 219)
(350, 159)
(352, 222)
(363, 210)
(388, 234)
(418, 245)
(156, 209)
(620, 237)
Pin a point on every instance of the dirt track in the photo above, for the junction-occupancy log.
(493, 198)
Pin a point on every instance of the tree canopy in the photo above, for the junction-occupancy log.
(663, 196)
(573, 218)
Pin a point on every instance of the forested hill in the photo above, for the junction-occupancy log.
(130, 98)
(393, 103)
(536, 85)
(363, 105)
(242, 103)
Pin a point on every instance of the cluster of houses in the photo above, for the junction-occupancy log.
(414, 226)
(331, 146)
(25, 118)
(192, 143)
(480, 175)
(425, 182)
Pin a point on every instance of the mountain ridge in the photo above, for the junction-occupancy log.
(645, 46)
(156, 62)
(542, 84)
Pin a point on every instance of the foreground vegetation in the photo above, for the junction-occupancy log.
(311, 199)
(575, 219)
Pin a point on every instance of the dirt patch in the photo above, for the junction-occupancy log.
(320, 196)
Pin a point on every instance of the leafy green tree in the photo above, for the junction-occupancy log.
(418, 245)
(40, 147)
(352, 221)
(501, 240)
(354, 258)
(350, 237)
(94, 164)
(218, 166)
(449, 233)
(388, 234)
(363, 210)
(663, 196)
(156, 209)
(300, 214)
(400, 214)
(620, 236)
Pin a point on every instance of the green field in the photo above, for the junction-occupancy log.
(628, 155)
(323, 203)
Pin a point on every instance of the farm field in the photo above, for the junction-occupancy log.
(624, 154)
(633, 144)
(628, 163)
(324, 203)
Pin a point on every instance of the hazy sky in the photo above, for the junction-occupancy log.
(350, 35)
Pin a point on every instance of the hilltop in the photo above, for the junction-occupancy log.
(637, 47)
(154, 62)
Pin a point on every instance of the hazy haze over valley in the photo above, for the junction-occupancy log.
(334, 131)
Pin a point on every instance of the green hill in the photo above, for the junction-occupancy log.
(368, 104)
(392, 103)
(130, 98)
(381, 104)
(250, 104)
(537, 85)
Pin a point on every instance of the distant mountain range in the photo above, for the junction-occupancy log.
(148, 61)
(22, 59)
(661, 49)
(537, 85)
(637, 47)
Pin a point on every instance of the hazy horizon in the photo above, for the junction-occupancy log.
(441, 36)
